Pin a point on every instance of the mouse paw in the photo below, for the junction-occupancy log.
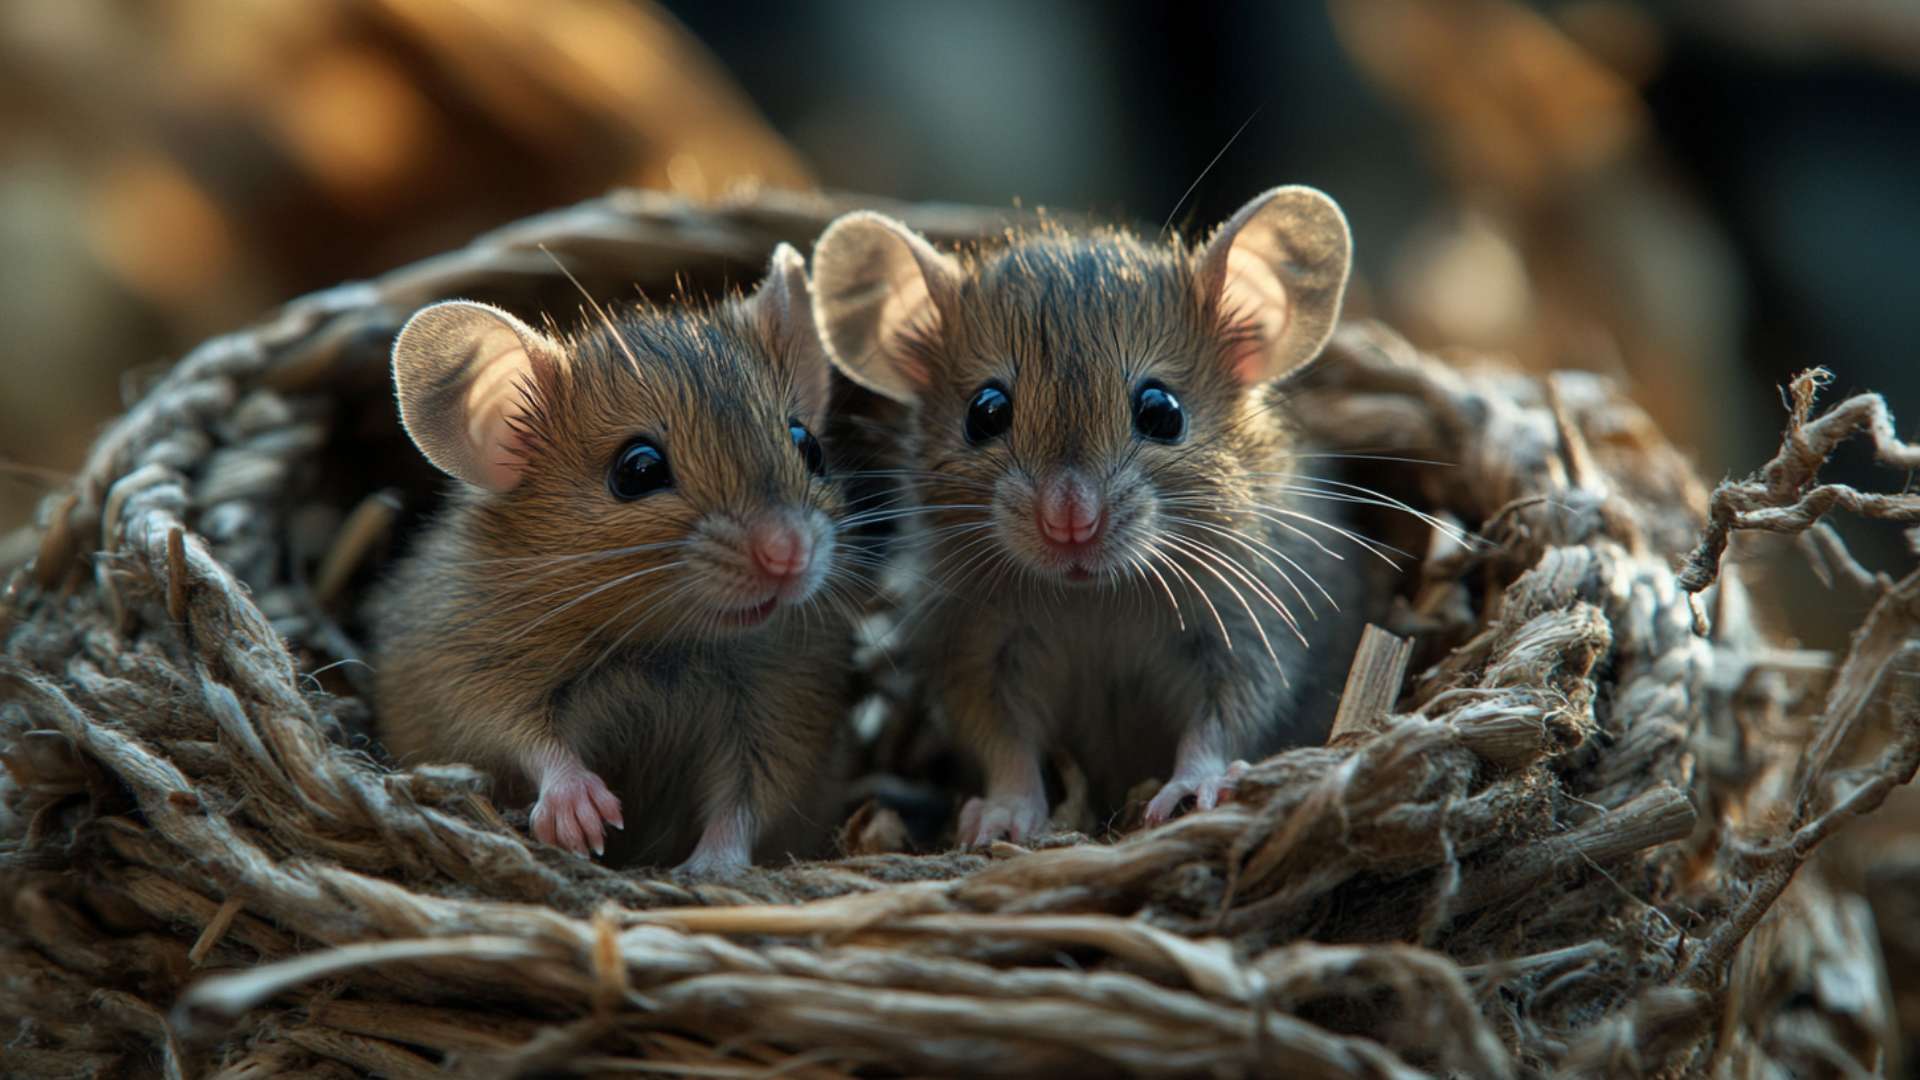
(574, 808)
(716, 864)
(1209, 785)
(725, 848)
(1016, 817)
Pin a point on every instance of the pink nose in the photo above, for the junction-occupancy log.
(1069, 513)
(780, 551)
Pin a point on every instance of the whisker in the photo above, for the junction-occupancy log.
(898, 497)
(1156, 551)
(1179, 617)
(830, 592)
(1369, 497)
(1260, 590)
(872, 516)
(1374, 547)
(563, 590)
(612, 333)
(1229, 534)
(1261, 513)
(938, 586)
(660, 603)
(1375, 457)
(928, 475)
(1437, 524)
(583, 556)
(615, 583)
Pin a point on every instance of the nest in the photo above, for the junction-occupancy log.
(1570, 840)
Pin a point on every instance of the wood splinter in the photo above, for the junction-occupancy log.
(216, 929)
(1373, 683)
(366, 526)
(55, 557)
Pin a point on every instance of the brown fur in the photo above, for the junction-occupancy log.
(1019, 660)
(493, 639)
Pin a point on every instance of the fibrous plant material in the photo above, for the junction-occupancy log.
(1569, 842)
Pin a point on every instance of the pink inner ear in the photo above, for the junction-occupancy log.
(912, 370)
(1247, 356)
(909, 311)
(493, 401)
(1255, 310)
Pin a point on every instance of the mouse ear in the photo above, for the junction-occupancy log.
(1274, 275)
(465, 374)
(879, 290)
(782, 311)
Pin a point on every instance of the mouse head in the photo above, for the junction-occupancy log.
(652, 475)
(1095, 398)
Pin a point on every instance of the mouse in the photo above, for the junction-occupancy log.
(630, 610)
(1124, 557)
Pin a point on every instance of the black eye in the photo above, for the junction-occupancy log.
(640, 468)
(1157, 414)
(990, 414)
(808, 446)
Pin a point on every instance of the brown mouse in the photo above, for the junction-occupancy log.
(1128, 563)
(627, 611)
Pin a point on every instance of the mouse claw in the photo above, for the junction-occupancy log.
(1209, 786)
(714, 866)
(725, 848)
(608, 804)
(969, 819)
(1016, 817)
(573, 805)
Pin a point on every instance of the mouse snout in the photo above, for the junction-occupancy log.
(1069, 513)
(781, 550)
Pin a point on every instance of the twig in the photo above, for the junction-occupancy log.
(1373, 682)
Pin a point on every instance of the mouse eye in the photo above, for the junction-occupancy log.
(989, 415)
(808, 446)
(1157, 414)
(640, 468)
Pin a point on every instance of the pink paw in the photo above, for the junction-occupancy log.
(717, 863)
(573, 804)
(1015, 817)
(725, 847)
(1210, 785)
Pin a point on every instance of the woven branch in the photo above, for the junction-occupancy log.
(1786, 495)
(1563, 844)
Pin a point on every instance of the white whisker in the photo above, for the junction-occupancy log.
(1259, 628)
(1256, 545)
(591, 593)
(1167, 561)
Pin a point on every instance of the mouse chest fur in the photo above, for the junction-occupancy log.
(676, 729)
(705, 726)
(1115, 675)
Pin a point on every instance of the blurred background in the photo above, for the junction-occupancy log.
(1700, 197)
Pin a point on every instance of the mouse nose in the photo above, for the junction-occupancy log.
(781, 550)
(1069, 513)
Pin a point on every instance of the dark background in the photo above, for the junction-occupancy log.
(1794, 147)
